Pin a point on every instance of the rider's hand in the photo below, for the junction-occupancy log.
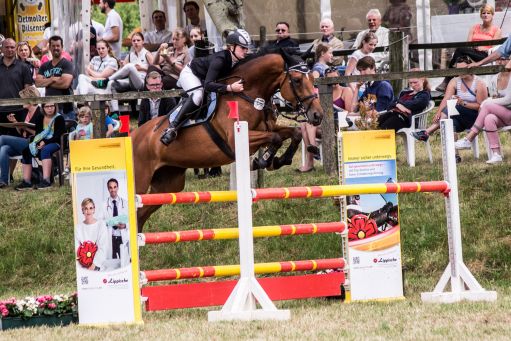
(237, 86)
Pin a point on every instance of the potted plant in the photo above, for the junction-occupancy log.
(58, 310)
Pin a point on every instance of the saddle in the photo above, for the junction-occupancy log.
(206, 111)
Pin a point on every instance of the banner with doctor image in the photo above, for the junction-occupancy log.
(105, 231)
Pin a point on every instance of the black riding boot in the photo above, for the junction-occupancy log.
(185, 112)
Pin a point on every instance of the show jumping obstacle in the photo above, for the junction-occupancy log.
(241, 304)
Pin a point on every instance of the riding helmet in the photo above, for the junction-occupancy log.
(239, 37)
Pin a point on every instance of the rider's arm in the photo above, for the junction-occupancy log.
(210, 85)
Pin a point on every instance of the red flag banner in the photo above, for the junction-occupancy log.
(233, 110)
(125, 124)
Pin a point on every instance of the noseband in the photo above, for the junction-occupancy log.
(299, 111)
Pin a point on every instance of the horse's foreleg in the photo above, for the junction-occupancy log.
(260, 138)
(296, 137)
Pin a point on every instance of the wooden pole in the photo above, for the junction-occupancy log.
(98, 119)
(397, 58)
(260, 172)
(328, 130)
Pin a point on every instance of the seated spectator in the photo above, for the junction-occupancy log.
(469, 91)
(49, 127)
(200, 47)
(342, 96)
(479, 32)
(323, 56)
(498, 83)
(409, 102)
(151, 108)
(160, 35)
(493, 114)
(283, 37)
(56, 77)
(373, 18)
(381, 89)
(25, 54)
(326, 27)
(84, 128)
(365, 49)
(131, 75)
(100, 67)
(170, 61)
(13, 145)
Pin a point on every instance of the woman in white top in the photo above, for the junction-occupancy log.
(95, 231)
(100, 67)
(365, 49)
(132, 73)
(494, 114)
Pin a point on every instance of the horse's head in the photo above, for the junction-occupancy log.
(298, 89)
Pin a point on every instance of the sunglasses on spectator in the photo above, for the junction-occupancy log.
(280, 30)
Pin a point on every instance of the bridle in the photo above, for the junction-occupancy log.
(299, 111)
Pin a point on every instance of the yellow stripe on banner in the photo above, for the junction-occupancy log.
(418, 186)
(286, 190)
(314, 228)
(314, 265)
(178, 236)
(201, 272)
(174, 198)
(201, 234)
(227, 270)
(196, 195)
(309, 192)
(293, 231)
(178, 273)
(293, 266)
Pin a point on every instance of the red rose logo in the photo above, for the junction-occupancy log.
(375, 260)
(104, 280)
(361, 227)
(86, 252)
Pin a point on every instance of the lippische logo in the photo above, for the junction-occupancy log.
(385, 260)
(114, 281)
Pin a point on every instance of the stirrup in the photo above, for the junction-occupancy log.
(169, 135)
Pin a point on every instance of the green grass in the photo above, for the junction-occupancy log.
(36, 255)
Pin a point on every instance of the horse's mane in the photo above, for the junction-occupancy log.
(288, 54)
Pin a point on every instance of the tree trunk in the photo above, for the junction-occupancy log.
(226, 14)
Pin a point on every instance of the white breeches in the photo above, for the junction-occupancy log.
(187, 80)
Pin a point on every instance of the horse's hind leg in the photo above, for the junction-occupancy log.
(296, 137)
(165, 180)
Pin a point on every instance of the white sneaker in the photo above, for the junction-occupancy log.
(463, 144)
(496, 158)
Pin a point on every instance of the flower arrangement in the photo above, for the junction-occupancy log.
(368, 114)
(39, 306)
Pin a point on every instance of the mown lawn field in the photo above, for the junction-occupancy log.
(36, 257)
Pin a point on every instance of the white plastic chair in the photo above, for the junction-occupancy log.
(418, 122)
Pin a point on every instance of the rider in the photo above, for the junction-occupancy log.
(202, 74)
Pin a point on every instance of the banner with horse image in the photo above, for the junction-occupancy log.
(104, 215)
(374, 247)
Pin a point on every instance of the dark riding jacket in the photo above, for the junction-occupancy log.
(211, 68)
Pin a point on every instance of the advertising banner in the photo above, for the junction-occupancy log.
(107, 270)
(374, 247)
(31, 17)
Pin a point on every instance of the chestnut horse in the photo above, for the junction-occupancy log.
(161, 169)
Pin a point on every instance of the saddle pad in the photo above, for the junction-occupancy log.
(206, 112)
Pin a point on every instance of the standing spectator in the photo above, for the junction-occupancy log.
(153, 39)
(49, 127)
(154, 107)
(373, 18)
(191, 9)
(399, 15)
(479, 32)
(56, 76)
(131, 75)
(113, 26)
(283, 38)
(100, 29)
(470, 91)
(15, 76)
(25, 54)
(113, 207)
(326, 26)
(171, 61)
(100, 67)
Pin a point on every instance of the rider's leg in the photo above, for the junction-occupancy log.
(187, 80)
